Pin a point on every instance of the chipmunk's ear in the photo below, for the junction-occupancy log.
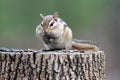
(55, 16)
(42, 16)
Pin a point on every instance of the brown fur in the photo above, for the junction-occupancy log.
(67, 34)
(85, 47)
(46, 21)
(61, 41)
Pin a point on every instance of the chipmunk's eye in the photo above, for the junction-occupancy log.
(51, 24)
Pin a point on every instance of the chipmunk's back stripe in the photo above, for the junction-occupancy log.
(62, 22)
(65, 25)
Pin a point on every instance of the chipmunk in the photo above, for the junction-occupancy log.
(56, 34)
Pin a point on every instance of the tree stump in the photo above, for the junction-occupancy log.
(51, 65)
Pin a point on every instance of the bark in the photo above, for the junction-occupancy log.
(52, 65)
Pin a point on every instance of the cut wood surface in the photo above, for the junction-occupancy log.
(51, 65)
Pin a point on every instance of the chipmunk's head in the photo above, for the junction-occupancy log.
(52, 24)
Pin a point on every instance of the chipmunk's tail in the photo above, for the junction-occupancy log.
(85, 45)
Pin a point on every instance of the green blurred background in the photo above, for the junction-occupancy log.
(89, 19)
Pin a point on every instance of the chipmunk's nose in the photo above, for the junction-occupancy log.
(46, 32)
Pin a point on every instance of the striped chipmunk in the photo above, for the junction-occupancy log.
(56, 35)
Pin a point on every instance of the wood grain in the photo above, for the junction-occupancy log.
(52, 65)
